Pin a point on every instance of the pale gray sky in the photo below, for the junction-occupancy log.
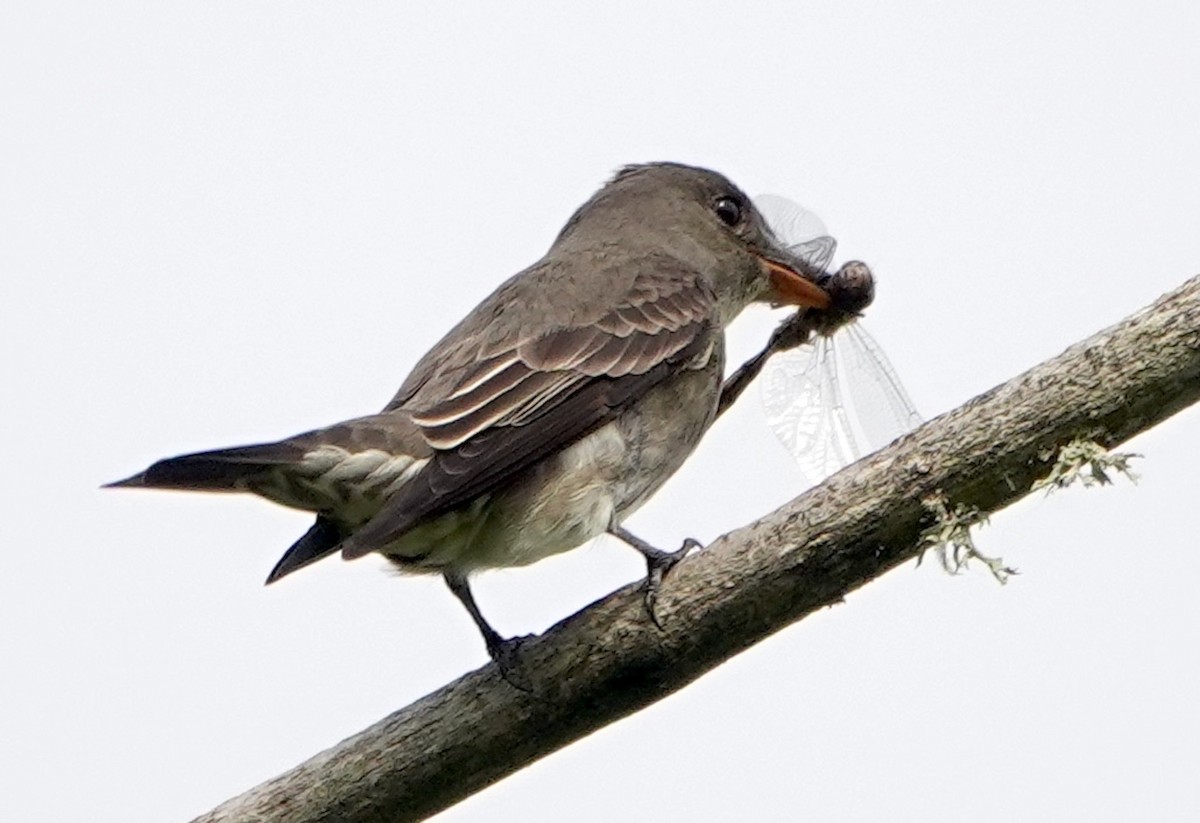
(228, 222)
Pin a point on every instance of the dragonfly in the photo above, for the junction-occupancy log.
(837, 397)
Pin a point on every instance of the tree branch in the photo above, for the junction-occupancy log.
(609, 660)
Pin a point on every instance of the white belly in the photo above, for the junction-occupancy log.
(568, 499)
(556, 506)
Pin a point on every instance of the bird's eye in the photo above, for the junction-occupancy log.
(729, 210)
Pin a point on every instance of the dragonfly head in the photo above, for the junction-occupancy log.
(851, 288)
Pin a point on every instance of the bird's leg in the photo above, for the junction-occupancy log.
(658, 563)
(502, 650)
(792, 332)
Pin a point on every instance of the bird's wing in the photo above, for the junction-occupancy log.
(492, 401)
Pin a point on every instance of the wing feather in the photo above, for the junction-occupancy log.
(550, 385)
(451, 427)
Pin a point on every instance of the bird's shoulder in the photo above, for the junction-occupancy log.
(550, 357)
(560, 312)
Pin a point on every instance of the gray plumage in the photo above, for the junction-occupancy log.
(551, 411)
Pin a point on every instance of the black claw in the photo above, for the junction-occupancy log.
(653, 584)
(505, 652)
(658, 563)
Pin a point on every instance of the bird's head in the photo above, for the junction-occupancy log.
(706, 222)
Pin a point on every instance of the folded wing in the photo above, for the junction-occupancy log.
(492, 400)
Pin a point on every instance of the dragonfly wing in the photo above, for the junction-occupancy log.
(834, 401)
(872, 392)
(817, 252)
(798, 228)
(802, 399)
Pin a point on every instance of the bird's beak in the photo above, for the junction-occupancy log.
(790, 283)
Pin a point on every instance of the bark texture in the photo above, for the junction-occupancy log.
(609, 660)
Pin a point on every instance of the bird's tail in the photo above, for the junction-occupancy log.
(223, 470)
(319, 541)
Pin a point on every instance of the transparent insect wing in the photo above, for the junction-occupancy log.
(816, 252)
(798, 228)
(802, 399)
(838, 398)
(879, 403)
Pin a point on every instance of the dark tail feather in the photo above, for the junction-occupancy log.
(221, 470)
(319, 541)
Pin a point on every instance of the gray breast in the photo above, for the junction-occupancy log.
(663, 429)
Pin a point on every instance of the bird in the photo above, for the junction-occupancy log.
(551, 412)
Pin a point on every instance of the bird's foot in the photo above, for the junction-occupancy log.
(505, 652)
(658, 563)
